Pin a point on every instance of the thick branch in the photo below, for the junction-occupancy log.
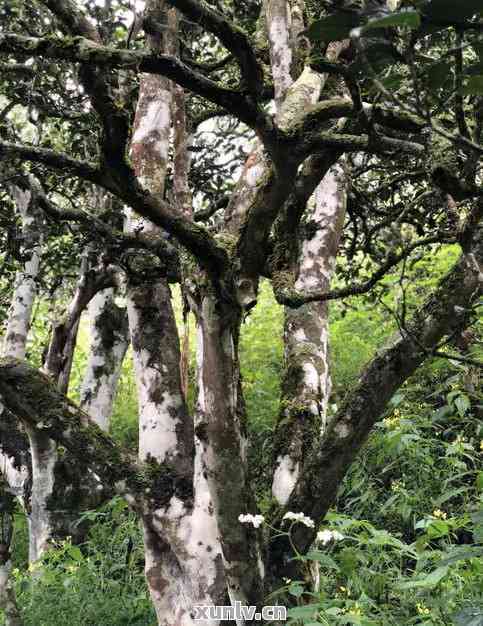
(67, 11)
(51, 158)
(32, 398)
(82, 50)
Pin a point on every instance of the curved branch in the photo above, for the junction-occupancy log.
(85, 51)
(231, 36)
(286, 294)
(51, 158)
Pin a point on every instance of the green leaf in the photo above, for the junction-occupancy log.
(324, 559)
(452, 10)
(473, 87)
(307, 610)
(333, 27)
(75, 553)
(408, 19)
(462, 402)
(296, 589)
(428, 582)
(437, 528)
(437, 75)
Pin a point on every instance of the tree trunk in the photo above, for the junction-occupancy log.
(446, 311)
(183, 561)
(18, 324)
(25, 289)
(109, 342)
(306, 380)
(220, 429)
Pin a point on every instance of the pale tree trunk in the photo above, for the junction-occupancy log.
(16, 474)
(182, 197)
(20, 313)
(220, 429)
(183, 561)
(23, 297)
(109, 342)
(57, 492)
(306, 383)
(220, 405)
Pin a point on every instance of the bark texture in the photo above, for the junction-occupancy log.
(183, 561)
(8, 603)
(24, 292)
(109, 342)
(306, 380)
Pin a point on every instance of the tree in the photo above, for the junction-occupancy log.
(359, 154)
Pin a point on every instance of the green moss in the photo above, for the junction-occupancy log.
(227, 241)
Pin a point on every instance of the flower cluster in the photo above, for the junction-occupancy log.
(393, 421)
(326, 536)
(353, 610)
(422, 610)
(439, 514)
(301, 518)
(255, 520)
(397, 485)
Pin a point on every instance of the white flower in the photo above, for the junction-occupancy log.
(326, 536)
(301, 518)
(256, 520)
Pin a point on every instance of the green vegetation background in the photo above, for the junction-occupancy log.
(410, 510)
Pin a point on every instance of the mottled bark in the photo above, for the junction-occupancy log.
(15, 460)
(58, 492)
(42, 519)
(306, 380)
(183, 560)
(13, 442)
(8, 603)
(278, 20)
(24, 291)
(109, 342)
(220, 429)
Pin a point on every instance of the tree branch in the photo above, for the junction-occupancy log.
(231, 36)
(210, 254)
(33, 400)
(51, 158)
(286, 294)
(166, 253)
(87, 52)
